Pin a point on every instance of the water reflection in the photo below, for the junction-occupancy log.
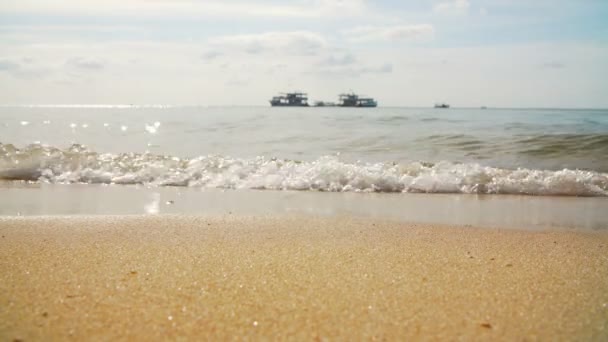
(153, 207)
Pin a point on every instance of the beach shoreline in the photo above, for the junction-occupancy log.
(296, 277)
(490, 211)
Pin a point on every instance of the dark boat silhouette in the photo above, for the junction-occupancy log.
(353, 100)
(295, 99)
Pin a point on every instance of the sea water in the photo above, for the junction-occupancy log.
(458, 150)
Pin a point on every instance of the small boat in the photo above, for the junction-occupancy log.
(442, 105)
(353, 100)
(295, 99)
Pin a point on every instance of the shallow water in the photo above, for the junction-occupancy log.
(504, 151)
(518, 212)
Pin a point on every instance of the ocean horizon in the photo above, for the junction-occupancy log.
(169, 105)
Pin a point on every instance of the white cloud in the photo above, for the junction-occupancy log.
(382, 69)
(84, 63)
(340, 7)
(390, 33)
(305, 9)
(351, 71)
(24, 68)
(238, 81)
(211, 55)
(453, 6)
(334, 60)
(8, 65)
(293, 43)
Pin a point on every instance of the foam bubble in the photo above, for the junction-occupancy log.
(153, 128)
(77, 164)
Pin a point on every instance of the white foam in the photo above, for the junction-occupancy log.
(328, 173)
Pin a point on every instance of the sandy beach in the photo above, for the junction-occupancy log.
(305, 170)
(298, 277)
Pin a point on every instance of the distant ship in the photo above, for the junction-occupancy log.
(353, 100)
(295, 99)
(442, 105)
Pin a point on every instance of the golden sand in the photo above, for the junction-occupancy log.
(171, 277)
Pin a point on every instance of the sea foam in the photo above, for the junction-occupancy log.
(77, 164)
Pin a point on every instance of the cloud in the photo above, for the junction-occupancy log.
(24, 70)
(208, 8)
(340, 7)
(238, 82)
(385, 68)
(294, 43)
(334, 60)
(85, 64)
(454, 6)
(277, 68)
(390, 33)
(211, 55)
(7, 65)
(352, 71)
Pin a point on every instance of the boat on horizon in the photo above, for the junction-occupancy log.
(354, 100)
(442, 105)
(295, 99)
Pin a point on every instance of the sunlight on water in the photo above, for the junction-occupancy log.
(522, 151)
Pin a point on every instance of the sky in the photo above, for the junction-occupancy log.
(495, 53)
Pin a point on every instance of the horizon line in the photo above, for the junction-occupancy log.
(122, 105)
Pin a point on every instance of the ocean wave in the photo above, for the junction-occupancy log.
(564, 144)
(77, 164)
(542, 147)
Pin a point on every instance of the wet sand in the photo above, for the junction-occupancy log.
(503, 211)
(305, 278)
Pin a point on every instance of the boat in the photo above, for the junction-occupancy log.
(353, 100)
(295, 99)
(442, 105)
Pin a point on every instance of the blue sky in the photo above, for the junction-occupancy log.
(412, 53)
